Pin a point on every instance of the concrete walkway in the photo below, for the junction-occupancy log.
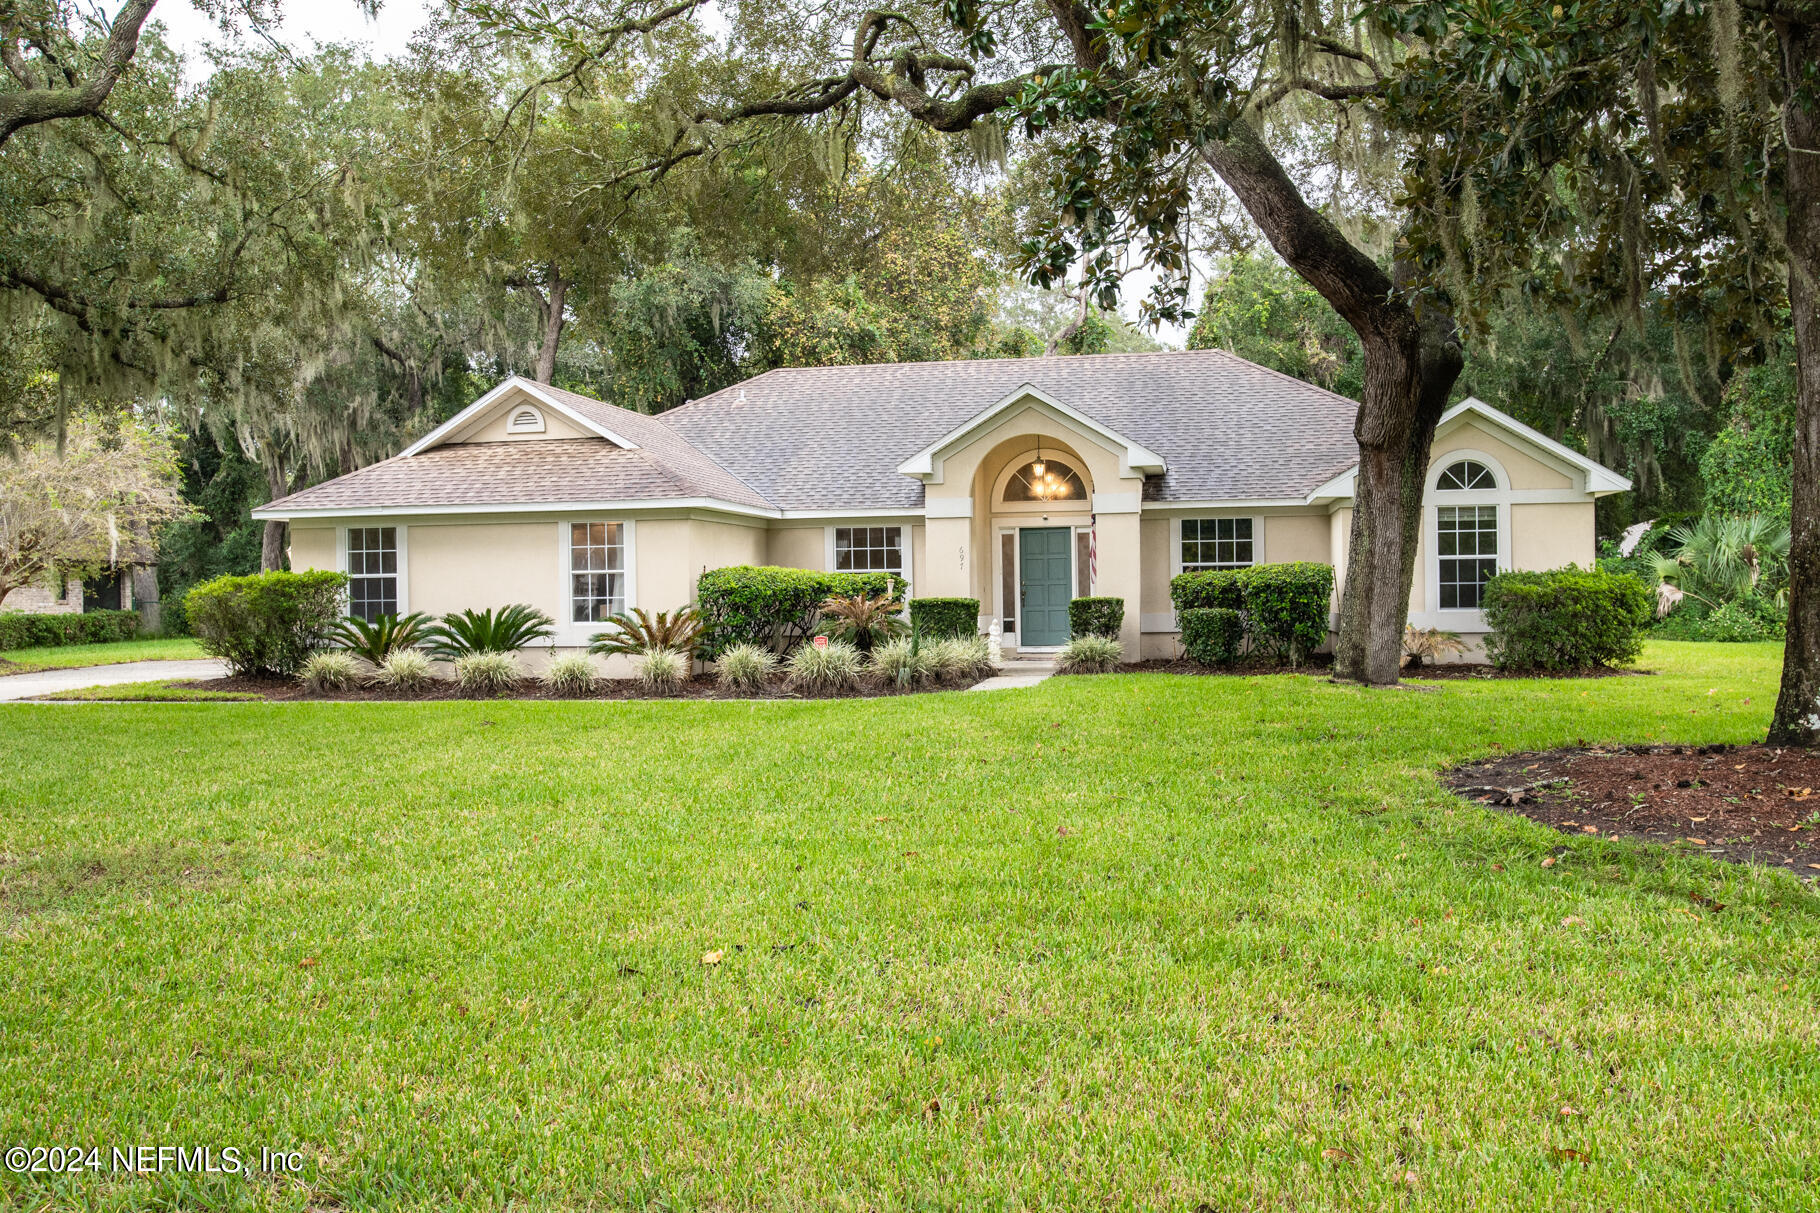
(46, 682)
(1026, 672)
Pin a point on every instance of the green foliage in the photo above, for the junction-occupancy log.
(902, 660)
(662, 669)
(265, 623)
(1089, 655)
(571, 674)
(1261, 310)
(1429, 644)
(26, 630)
(1222, 588)
(404, 670)
(1213, 636)
(935, 618)
(1747, 467)
(636, 631)
(1747, 618)
(773, 607)
(957, 657)
(863, 619)
(1722, 557)
(1100, 616)
(503, 630)
(372, 640)
(1287, 607)
(329, 671)
(837, 666)
(747, 667)
(486, 671)
(221, 538)
(1565, 619)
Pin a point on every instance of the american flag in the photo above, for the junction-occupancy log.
(1093, 552)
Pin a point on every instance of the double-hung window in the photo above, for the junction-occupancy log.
(1217, 543)
(1466, 540)
(869, 549)
(372, 571)
(597, 570)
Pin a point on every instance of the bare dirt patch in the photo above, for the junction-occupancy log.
(1743, 804)
(701, 686)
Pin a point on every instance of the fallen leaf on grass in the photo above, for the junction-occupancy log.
(932, 1109)
(1567, 1155)
(1334, 1154)
(1573, 920)
(1589, 829)
(1549, 862)
(712, 958)
(1408, 1179)
(1064, 831)
(308, 962)
(1569, 1110)
(1699, 842)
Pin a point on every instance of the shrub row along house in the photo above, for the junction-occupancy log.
(1023, 483)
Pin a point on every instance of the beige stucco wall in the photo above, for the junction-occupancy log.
(797, 547)
(1299, 536)
(1549, 535)
(493, 429)
(490, 564)
(1525, 470)
(313, 547)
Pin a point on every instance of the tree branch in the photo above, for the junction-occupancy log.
(30, 106)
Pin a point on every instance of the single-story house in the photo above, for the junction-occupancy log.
(1021, 482)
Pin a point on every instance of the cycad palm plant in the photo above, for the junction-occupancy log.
(505, 630)
(637, 632)
(375, 640)
(1724, 557)
(863, 619)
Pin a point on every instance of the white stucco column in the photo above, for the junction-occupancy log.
(1120, 563)
(948, 543)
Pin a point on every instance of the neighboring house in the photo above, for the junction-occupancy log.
(1021, 482)
(127, 587)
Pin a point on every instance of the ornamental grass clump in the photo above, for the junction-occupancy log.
(957, 657)
(331, 671)
(745, 667)
(571, 674)
(902, 661)
(662, 669)
(486, 673)
(834, 667)
(1089, 655)
(404, 670)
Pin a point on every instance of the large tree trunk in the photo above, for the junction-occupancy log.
(551, 307)
(1797, 719)
(271, 547)
(1411, 362)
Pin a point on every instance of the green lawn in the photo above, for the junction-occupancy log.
(78, 656)
(1130, 942)
(161, 690)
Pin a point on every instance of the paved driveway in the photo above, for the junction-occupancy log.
(27, 686)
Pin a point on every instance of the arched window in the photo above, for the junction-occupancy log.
(1045, 480)
(1466, 474)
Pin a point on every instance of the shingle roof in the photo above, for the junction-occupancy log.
(514, 473)
(829, 438)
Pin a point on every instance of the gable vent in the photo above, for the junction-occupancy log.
(525, 421)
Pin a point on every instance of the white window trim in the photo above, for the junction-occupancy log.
(906, 548)
(404, 562)
(537, 425)
(1175, 537)
(570, 634)
(1068, 505)
(1460, 619)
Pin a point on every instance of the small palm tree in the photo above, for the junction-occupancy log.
(375, 640)
(1721, 558)
(1429, 644)
(505, 630)
(863, 619)
(637, 632)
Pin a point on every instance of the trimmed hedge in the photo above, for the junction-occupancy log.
(28, 630)
(938, 618)
(774, 608)
(1284, 606)
(1100, 616)
(265, 623)
(1213, 635)
(1223, 588)
(1565, 619)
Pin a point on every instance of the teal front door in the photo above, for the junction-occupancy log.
(1044, 584)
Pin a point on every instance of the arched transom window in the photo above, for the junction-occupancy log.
(1466, 474)
(1045, 480)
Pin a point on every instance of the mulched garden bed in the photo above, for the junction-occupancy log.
(702, 686)
(1322, 663)
(1743, 804)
